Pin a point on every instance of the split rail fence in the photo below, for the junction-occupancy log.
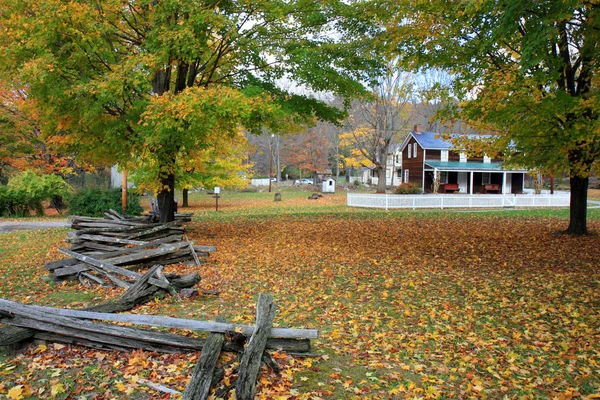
(398, 201)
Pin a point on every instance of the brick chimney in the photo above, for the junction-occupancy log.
(417, 129)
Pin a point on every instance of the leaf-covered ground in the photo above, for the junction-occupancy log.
(409, 305)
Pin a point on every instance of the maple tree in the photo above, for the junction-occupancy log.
(22, 145)
(145, 83)
(223, 165)
(308, 151)
(525, 71)
(375, 125)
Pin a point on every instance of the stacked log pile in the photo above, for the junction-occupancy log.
(141, 292)
(82, 328)
(109, 250)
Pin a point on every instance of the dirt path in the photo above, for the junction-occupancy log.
(26, 225)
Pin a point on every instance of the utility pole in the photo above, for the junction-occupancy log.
(270, 160)
(124, 191)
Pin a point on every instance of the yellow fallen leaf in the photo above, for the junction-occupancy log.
(16, 393)
(57, 389)
(41, 348)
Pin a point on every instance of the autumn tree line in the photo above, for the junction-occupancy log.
(169, 90)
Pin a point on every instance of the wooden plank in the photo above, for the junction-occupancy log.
(208, 249)
(110, 216)
(113, 335)
(11, 335)
(114, 279)
(202, 376)
(86, 246)
(51, 265)
(92, 278)
(167, 322)
(116, 252)
(146, 254)
(160, 277)
(108, 239)
(116, 213)
(250, 362)
(155, 229)
(193, 251)
(105, 265)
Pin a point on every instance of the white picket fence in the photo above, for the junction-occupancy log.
(390, 201)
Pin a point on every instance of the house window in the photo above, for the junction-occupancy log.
(397, 158)
(409, 151)
(414, 150)
(486, 178)
(443, 177)
(462, 157)
(486, 160)
(406, 175)
(400, 174)
(444, 156)
(388, 173)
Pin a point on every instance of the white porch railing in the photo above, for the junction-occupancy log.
(389, 201)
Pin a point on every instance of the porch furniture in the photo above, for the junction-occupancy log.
(450, 187)
(491, 188)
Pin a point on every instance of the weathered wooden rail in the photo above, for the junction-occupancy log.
(108, 250)
(83, 328)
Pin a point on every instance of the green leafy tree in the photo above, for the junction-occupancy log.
(32, 189)
(146, 82)
(527, 71)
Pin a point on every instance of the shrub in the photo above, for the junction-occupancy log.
(93, 202)
(11, 203)
(28, 190)
(408, 188)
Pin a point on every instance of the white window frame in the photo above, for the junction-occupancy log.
(409, 151)
(486, 178)
(462, 157)
(414, 150)
(486, 159)
(444, 156)
(443, 177)
(405, 176)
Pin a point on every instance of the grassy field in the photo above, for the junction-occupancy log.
(431, 304)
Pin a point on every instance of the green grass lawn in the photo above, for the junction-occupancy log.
(427, 304)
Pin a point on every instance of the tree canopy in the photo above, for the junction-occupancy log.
(527, 71)
(147, 82)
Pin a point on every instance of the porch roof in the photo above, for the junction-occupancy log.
(468, 166)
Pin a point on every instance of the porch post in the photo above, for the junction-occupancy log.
(471, 184)
(504, 183)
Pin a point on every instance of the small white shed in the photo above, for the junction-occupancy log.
(328, 185)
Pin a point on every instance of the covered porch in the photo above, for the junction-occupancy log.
(473, 178)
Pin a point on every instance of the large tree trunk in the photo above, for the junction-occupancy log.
(380, 179)
(578, 206)
(185, 198)
(166, 199)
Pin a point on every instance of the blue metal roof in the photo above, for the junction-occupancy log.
(431, 140)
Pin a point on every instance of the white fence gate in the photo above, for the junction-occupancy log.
(389, 201)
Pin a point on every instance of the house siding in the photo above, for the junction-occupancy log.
(434, 155)
(414, 165)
